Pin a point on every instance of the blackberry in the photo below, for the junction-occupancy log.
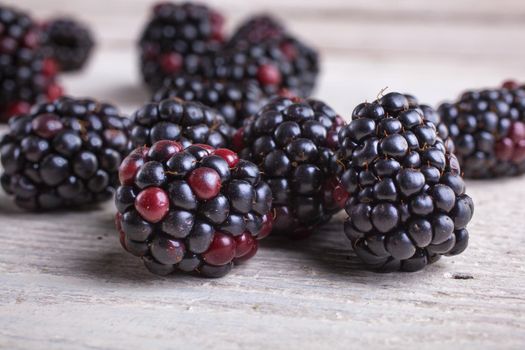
(197, 209)
(294, 142)
(258, 28)
(178, 38)
(283, 63)
(184, 121)
(261, 49)
(63, 154)
(407, 204)
(68, 42)
(488, 128)
(234, 101)
(26, 75)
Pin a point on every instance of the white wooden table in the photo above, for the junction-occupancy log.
(65, 283)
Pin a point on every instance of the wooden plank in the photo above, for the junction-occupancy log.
(64, 277)
(466, 29)
(484, 10)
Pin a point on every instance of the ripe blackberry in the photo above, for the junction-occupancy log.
(407, 204)
(262, 50)
(195, 210)
(488, 128)
(294, 142)
(68, 42)
(234, 101)
(184, 121)
(177, 38)
(64, 154)
(283, 63)
(26, 76)
(258, 28)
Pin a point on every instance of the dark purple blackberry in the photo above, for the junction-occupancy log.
(194, 210)
(276, 64)
(68, 42)
(488, 129)
(184, 121)
(294, 142)
(258, 28)
(234, 101)
(407, 204)
(262, 50)
(64, 154)
(177, 39)
(26, 76)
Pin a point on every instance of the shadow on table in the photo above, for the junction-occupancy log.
(8, 206)
(327, 254)
(328, 251)
(114, 265)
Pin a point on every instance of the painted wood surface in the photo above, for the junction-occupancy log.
(65, 283)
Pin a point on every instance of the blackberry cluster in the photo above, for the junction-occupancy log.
(234, 101)
(294, 142)
(407, 204)
(283, 63)
(64, 154)
(195, 210)
(68, 42)
(26, 76)
(178, 38)
(184, 121)
(488, 129)
(187, 39)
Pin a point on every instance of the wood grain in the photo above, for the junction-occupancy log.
(65, 283)
(467, 28)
